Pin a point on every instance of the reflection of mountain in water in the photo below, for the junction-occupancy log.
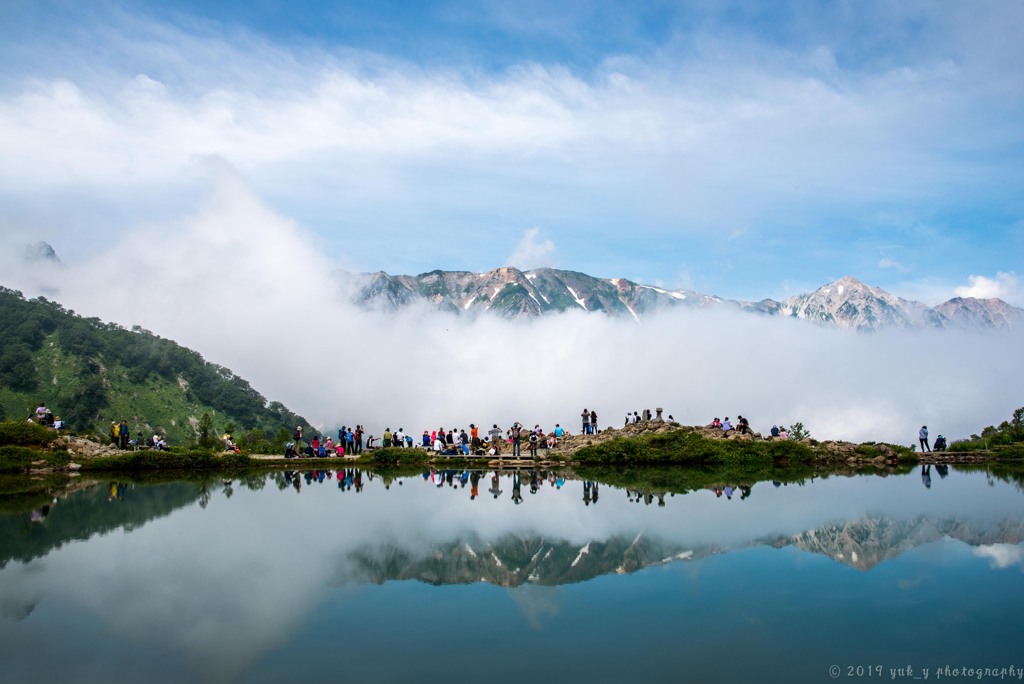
(514, 560)
(865, 543)
(95, 510)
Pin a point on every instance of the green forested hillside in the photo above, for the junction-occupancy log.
(91, 373)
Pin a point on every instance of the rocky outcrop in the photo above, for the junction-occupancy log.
(80, 448)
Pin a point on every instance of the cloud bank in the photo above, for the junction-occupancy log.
(657, 153)
(252, 290)
(1003, 286)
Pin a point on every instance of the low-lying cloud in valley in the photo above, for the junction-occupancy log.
(254, 291)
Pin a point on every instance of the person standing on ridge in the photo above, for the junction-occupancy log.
(517, 432)
(123, 435)
(495, 434)
(586, 421)
(922, 437)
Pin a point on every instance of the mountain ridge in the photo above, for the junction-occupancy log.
(513, 293)
(91, 373)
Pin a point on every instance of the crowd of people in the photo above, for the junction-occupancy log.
(442, 442)
(120, 436)
(450, 442)
(45, 416)
(743, 427)
(349, 442)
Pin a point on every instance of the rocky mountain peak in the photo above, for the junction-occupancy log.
(512, 293)
(41, 251)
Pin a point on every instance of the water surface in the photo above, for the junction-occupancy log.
(542, 576)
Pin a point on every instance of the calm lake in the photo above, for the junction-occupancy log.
(648, 576)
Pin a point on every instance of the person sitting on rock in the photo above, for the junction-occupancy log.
(743, 427)
(775, 430)
(940, 443)
(726, 424)
(717, 424)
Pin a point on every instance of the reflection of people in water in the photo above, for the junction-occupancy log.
(942, 469)
(593, 493)
(587, 495)
(474, 485)
(517, 494)
(39, 514)
(926, 476)
(495, 485)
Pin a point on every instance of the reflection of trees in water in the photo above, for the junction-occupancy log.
(18, 610)
(88, 512)
(1010, 473)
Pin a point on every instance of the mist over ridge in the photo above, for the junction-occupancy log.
(253, 291)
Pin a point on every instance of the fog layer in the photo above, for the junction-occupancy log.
(253, 291)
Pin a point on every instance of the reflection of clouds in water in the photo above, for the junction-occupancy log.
(225, 584)
(219, 588)
(1002, 556)
(537, 602)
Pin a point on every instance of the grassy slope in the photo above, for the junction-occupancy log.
(155, 405)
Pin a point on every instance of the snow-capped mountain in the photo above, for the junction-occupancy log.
(969, 312)
(511, 293)
(849, 303)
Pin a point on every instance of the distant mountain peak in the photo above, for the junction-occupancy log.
(512, 293)
(42, 251)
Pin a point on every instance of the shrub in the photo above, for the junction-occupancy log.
(15, 459)
(683, 447)
(395, 455)
(195, 459)
(26, 434)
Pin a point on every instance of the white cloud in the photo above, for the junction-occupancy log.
(713, 137)
(533, 251)
(1003, 286)
(1002, 556)
(886, 262)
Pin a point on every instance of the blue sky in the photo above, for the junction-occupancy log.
(744, 149)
